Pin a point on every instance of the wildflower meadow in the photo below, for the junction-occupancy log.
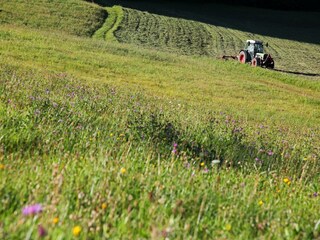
(101, 139)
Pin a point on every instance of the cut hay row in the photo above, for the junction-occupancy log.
(185, 37)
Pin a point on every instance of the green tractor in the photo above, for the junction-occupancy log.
(253, 53)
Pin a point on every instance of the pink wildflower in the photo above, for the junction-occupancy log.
(32, 209)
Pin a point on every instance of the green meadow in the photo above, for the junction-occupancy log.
(120, 133)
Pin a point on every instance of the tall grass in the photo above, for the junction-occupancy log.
(120, 164)
(118, 142)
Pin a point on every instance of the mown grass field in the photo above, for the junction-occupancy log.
(191, 37)
(119, 142)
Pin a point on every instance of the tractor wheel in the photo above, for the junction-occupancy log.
(256, 62)
(268, 61)
(271, 65)
(242, 57)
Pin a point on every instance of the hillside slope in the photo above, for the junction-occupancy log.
(192, 37)
(101, 139)
(217, 85)
(72, 16)
(113, 139)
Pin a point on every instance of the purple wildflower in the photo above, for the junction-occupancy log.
(175, 150)
(270, 153)
(315, 194)
(238, 129)
(41, 231)
(32, 209)
(258, 160)
(206, 170)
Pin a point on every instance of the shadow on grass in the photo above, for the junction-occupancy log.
(292, 25)
(298, 73)
(235, 58)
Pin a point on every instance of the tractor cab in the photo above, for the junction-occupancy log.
(253, 47)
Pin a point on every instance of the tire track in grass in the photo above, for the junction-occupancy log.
(111, 24)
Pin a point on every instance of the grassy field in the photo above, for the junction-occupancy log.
(71, 16)
(119, 142)
(191, 37)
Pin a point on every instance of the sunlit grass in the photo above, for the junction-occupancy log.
(102, 140)
(254, 94)
(110, 162)
(71, 16)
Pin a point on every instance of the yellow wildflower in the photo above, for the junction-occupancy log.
(76, 231)
(228, 227)
(111, 134)
(123, 170)
(2, 166)
(55, 220)
(104, 206)
(202, 164)
(260, 203)
(287, 181)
